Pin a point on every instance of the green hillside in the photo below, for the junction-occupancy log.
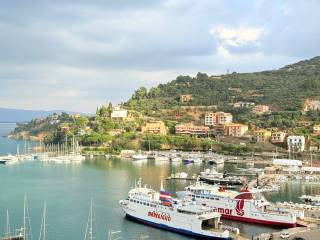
(284, 89)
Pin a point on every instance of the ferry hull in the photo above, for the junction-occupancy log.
(259, 221)
(172, 229)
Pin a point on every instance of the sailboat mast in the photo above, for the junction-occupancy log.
(24, 218)
(8, 225)
(91, 220)
(43, 230)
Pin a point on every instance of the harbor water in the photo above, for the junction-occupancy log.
(67, 190)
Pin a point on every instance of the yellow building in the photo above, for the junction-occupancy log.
(235, 129)
(316, 129)
(278, 137)
(262, 135)
(155, 127)
(185, 98)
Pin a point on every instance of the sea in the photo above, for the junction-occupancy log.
(67, 190)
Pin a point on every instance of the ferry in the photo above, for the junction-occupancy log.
(247, 206)
(159, 209)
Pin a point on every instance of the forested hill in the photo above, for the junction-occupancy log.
(282, 89)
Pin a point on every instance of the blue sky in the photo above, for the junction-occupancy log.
(75, 55)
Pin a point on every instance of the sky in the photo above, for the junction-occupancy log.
(78, 54)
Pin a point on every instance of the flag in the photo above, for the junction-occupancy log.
(165, 198)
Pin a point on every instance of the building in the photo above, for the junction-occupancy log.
(316, 129)
(185, 98)
(235, 129)
(243, 104)
(260, 109)
(296, 143)
(262, 135)
(216, 118)
(118, 112)
(311, 105)
(278, 137)
(189, 128)
(154, 127)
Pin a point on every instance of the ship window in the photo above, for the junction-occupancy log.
(207, 198)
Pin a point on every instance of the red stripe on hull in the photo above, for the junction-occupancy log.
(264, 222)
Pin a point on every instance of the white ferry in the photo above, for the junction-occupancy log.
(159, 209)
(246, 206)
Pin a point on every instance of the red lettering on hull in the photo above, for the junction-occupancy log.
(162, 216)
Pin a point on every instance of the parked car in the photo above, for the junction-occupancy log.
(284, 234)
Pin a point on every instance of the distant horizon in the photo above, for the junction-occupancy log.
(116, 103)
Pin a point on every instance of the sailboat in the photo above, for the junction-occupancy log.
(8, 236)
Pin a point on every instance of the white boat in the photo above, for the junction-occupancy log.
(159, 209)
(314, 200)
(139, 156)
(246, 205)
(161, 158)
(191, 158)
(176, 159)
(214, 177)
(9, 159)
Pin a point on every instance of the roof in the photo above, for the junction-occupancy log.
(198, 209)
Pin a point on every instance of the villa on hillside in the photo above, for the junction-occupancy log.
(216, 118)
(296, 143)
(185, 98)
(262, 135)
(189, 128)
(278, 137)
(235, 129)
(118, 112)
(154, 127)
(260, 109)
(311, 105)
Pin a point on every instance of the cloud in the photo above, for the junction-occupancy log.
(237, 36)
(79, 54)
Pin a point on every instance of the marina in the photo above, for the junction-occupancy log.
(76, 181)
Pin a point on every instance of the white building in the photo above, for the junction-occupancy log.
(296, 143)
(243, 104)
(117, 112)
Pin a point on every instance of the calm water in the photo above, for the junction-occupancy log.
(67, 190)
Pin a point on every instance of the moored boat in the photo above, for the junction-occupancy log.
(159, 209)
(139, 156)
(246, 205)
(213, 177)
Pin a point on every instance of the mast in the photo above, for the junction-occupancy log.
(24, 218)
(8, 231)
(27, 231)
(89, 229)
(43, 231)
(161, 184)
